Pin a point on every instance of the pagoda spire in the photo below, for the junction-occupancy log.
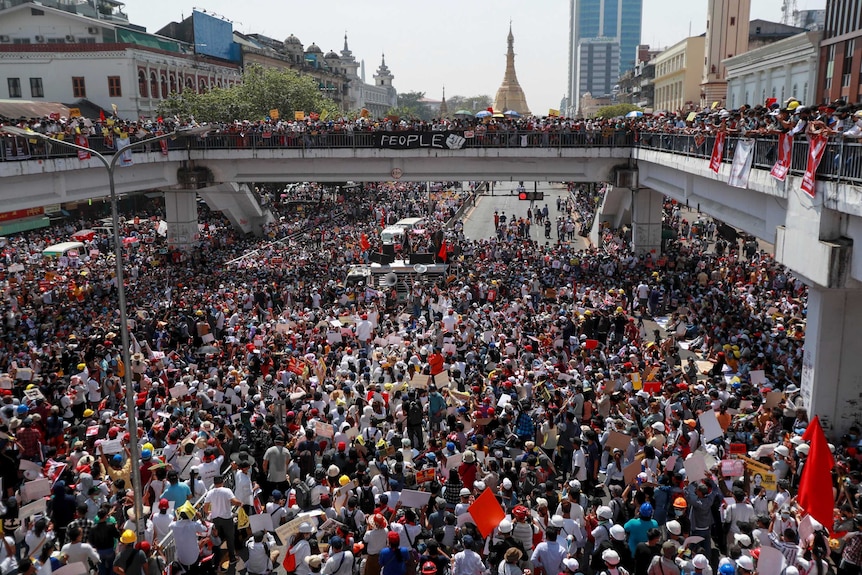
(510, 95)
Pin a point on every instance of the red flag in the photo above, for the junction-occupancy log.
(814, 493)
(490, 109)
(486, 512)
(101, 115)
(785, 155)
(364, 243)
(816, 147)
(717, 152)
(442, 253)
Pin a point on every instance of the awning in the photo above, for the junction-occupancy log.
(14, 109)
(126, 36)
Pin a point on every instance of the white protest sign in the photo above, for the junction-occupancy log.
(179, 390)
(709, 424)
(412, 498)
(771, 561)
(758, 377)
(32, 509)
(111, 446)
(76, 568)
(260, 522)
(453, 461)
(695, 467)
(35, 489)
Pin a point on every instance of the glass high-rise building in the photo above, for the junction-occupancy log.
(608, 19)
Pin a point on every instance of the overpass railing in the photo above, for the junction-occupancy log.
(842, 159)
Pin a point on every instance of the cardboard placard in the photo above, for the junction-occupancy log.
(771, 561)
(32, 394)
(441, 379)
(322, 429)
(773, 398)
(412, 498)
(618, 440)
(27, 465)
(631, 471)
(420, 381)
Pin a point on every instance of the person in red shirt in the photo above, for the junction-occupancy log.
(435, 362)
(468, 470)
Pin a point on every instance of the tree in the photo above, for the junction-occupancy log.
(261, 90)
(616, 110)
(410, 106)
(471, 103)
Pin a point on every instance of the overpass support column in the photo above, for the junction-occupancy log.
(831, 379)
(181, 215)
(646, 221)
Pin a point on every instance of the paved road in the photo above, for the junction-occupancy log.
(479, 222)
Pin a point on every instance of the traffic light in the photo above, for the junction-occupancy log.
(531, 196)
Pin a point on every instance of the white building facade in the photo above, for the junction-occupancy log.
(784, 69)
(53, 55)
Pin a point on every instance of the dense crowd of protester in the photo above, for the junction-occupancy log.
(288, 418)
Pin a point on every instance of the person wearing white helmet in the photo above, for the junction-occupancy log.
(611, 560)
(656, 435)
(602, 531)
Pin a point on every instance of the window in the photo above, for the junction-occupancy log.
(733, 20)
(114, 88)
(56, 40)
(79, 87)
(14, 87)
(36, 88)
(21, 40)
(142, 83)
(36, 12)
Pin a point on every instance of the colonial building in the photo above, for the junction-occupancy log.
(727, 26)
(57, 55)
(781, 70)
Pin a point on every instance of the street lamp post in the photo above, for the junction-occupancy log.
(110, 164)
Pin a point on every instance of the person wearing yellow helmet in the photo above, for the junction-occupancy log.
(130, 560)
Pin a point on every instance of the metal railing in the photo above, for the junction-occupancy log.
(841, 161)
(168, 544)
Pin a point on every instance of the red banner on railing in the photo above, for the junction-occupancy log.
(816, 147)
(717, 152)
(82, 140)
(785, 155)
(20, 214)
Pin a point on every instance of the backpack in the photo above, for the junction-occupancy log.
(366, 500)
(414, 413)
(303, 495)
(531, 481)
(352, 526)
(306, 460)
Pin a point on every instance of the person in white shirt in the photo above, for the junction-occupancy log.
(467, 562)
(162, 520)
(212, 465)
(218, 503)
(301, 548)
(186, 532)
(261, 553)
(549, 554)
(340, 561)
(243, 485)
(78, 552)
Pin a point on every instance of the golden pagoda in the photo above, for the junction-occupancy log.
(510, 96)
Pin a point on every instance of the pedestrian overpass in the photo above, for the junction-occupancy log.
(813, 236)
